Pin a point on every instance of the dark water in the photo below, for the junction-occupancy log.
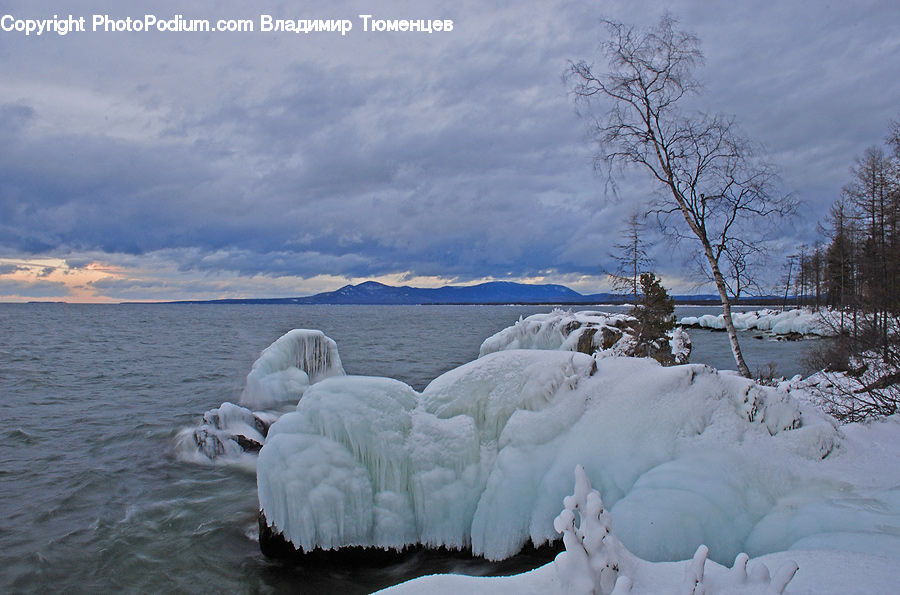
(92, 495)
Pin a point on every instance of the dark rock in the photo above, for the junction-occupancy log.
(209, 444)
(261, 426)
(586, 341)
(247, 444)
(273, 544)
(609, 336)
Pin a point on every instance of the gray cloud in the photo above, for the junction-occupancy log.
(455, 155)
(6, 269)
(33, 288)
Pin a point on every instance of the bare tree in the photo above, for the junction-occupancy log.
(630, 256)
(710, 173)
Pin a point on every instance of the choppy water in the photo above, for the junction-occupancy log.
(92, 495)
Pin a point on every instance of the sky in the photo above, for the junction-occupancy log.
(175, 165)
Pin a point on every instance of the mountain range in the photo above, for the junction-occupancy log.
(493, 292)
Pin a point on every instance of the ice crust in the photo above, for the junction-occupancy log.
(482, 457)
(797, 321)
(288, 366)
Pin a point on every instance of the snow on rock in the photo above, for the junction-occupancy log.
(288, 366)
(480, 459)
(228, 431)
(680, 344)
(565, 330)
(790, 322)
(586, 331)
(279, 377)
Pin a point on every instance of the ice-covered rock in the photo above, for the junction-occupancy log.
(565, 330)
(480, 459)
(278, 378)
(680, 345)
(230, 431)
(797, 322)
(288, 366)
(587, 332)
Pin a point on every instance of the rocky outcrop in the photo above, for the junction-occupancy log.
(590, 332)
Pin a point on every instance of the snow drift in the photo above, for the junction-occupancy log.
(481, 458)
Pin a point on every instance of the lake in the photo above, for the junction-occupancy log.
(93, 496)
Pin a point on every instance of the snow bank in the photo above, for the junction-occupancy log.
(585, 331)
(288, 366)
(480, 459)
(802, 322)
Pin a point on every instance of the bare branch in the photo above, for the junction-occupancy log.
(711, 172)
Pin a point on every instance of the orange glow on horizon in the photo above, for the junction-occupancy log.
(74, 283)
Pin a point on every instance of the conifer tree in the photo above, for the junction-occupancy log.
(655, 310)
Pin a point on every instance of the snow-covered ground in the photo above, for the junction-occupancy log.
(802, 322)
(867, 389)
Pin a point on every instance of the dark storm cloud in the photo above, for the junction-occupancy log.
(455, 155)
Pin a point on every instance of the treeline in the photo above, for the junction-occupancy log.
(857, 269)
(855, 272)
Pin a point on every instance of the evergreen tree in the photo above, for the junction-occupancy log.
(655, 310)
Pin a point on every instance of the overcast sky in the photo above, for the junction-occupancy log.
(158, 166)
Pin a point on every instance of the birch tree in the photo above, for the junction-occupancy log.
(713, 183)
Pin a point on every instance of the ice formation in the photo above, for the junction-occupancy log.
(686, 455)
(797, 322)
(288, 366)
(596, 562)
(585, 331)
(278, 378)
(231, 430)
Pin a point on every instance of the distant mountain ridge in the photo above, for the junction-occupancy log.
(492, 292)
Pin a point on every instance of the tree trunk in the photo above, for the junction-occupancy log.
(726, 310)
(717, 274)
